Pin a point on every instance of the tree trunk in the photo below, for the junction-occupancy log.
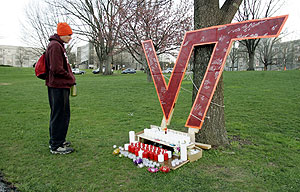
(147, 69)
(251, 61)
(206, 14)
(99, 57)
(149, 77)
(107, 63)
(213, 130)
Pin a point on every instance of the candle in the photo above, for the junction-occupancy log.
(183, 152)
(130, 148)
(145, 154)
(140, 153)
(131, 136)
(166, 156)
(136, 152)
(151, 155)
(155, 157)
(173, 163)
(159, 150)
(126, 147)
(160, 158)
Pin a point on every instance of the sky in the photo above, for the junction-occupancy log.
(12, 15)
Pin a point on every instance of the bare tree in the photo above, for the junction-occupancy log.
(35, 30)
(206, 14)
(99, 22)
(21, 55)
(266, 51)
(162, 21)
(271, 49)
(234, 55)
(40, 25)
(255, 9)
(284, 54)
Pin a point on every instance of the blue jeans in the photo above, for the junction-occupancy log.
(59, 115)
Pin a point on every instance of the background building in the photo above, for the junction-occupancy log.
(287, 55)
(87, 58)
(17, 56)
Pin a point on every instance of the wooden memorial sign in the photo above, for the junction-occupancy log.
(222, 36)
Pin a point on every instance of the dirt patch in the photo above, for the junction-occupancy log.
(241, 141)
(5, 84)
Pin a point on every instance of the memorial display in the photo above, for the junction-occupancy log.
(162, 149)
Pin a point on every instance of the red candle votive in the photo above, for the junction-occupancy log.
(136, 152)
(166, 157)
(159, 150)
(151, 155)
(145, 154)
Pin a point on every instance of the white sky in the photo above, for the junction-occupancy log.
(12, 14)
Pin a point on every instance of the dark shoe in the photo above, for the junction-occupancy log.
(62, 150)
(65, 144)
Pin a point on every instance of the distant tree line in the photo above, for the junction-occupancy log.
(110, 24)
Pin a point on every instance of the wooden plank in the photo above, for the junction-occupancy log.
(192, 133)
(157, 141)
(203, 146)
(169, 163)
(176, 167)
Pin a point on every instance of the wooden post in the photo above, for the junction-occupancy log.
(192, 132)
(164, 124)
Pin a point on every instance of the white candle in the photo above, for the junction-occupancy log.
(183, 152)
(141, 153)
(131, 136)
(173, 163)
(160, 158)
(126, 147)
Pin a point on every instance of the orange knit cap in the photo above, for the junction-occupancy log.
(64, 29)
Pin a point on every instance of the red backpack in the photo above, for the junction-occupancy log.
(40, 68)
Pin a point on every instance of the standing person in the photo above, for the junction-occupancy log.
(59, 80)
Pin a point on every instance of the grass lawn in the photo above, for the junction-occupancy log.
(262, 111)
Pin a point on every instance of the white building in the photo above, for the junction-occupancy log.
(17, 56)
(87, 58)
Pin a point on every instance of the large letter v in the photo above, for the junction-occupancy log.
(222, 36)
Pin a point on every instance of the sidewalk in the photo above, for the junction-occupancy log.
(5, 186)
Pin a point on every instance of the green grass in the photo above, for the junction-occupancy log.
(262, 119)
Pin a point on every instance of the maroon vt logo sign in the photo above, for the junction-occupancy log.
(222, 36)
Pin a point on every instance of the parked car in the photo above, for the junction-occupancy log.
(168, 70)
(76, 71)
(96, 71)
(128, 70)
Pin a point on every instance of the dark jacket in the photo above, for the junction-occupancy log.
(59, 73)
